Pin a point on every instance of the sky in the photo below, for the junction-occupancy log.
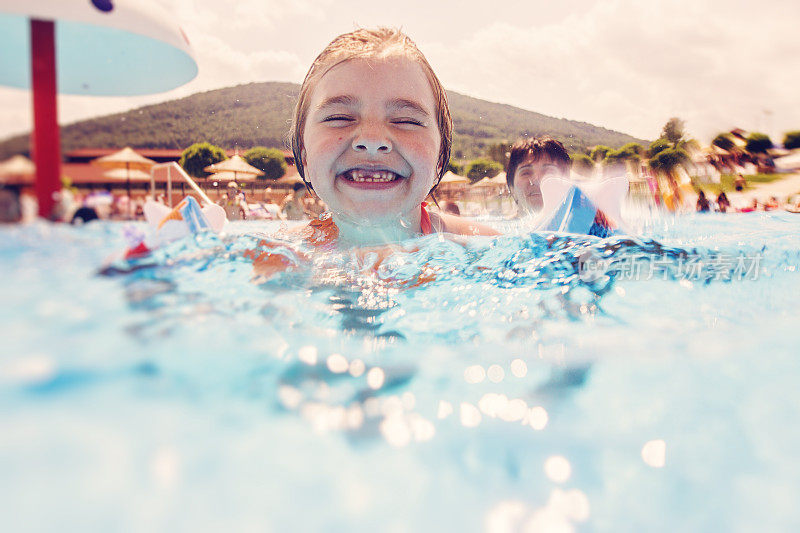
(627, 65)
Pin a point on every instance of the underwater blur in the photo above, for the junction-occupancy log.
(533, 382)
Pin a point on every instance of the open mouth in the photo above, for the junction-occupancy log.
(370, 178)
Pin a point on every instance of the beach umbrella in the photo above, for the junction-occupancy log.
(498, 181)
(102, 47)
(451, 178)
(127, 174)
(17, 170)
(237, 166)
(126, 161)
(227, 175)
(235, 169)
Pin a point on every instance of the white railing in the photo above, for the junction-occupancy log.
(174, 168)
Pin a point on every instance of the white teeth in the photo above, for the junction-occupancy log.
(372, 176)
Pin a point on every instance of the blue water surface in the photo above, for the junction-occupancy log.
(534, 382)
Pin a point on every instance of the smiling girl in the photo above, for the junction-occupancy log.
(371, 135)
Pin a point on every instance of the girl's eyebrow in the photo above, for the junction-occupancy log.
(398, 104)
(342, 99)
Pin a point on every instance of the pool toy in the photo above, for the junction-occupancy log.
(186, 218)
(168, 224)
(588, 208)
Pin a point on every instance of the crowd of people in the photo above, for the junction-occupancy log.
(723, 204)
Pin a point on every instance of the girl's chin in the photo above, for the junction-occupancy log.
(373, 214)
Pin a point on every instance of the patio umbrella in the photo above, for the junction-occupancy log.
(498, 181)
(451, 178)
(290, 179)
(241, 169)
(17, 170)
(126, 160)
(227, 175)
(103, 47)
(127, 174)
(235, 169)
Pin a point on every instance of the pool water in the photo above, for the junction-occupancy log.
(536, 382)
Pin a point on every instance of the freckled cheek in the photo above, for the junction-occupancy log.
(423, 151)
(324, 148)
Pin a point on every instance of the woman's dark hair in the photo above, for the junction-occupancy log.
(536, 148)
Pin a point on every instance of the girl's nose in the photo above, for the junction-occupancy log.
(372, 140)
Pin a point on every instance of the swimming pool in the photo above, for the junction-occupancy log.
(539, 382)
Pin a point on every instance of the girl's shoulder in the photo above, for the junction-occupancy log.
(460, 226)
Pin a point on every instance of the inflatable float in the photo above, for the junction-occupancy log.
(589, 208)
(171, 223)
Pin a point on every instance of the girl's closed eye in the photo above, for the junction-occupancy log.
(408, 121)
(334, 120)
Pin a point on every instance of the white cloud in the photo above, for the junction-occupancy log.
(631, 65)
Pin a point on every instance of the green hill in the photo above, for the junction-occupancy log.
(258, 114)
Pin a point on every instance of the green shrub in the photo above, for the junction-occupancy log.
(791, 140)
(668, 159)
(582, 164)
(724, 141)
(455, 167)
(599, 152)
(657, 146)
(757, 143)
(200, 155)
(270, 161)
(480, 168)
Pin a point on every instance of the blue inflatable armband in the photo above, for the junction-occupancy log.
(591, 208)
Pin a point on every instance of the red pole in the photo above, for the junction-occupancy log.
(45, 140)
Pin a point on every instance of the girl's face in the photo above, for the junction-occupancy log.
(528, 177)
(371, 141)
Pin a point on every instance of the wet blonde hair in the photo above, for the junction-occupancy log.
(364, 44)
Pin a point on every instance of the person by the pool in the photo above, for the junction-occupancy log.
(371, 136)
(529, 162)
(292, 207)
(564, 205)
(703, 205)
(739, 183)
(723, 204)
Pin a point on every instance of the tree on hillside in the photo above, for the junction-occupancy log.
(198, 156)
(673, 131)
(599, 152)
(757, 143)
(480, 168)
(582, 164)
(724, 141)
(270, 161)
(791, 140)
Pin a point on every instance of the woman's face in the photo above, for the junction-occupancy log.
(528, 178)
(371, 141)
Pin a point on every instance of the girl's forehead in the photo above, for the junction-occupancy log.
(386, 78)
